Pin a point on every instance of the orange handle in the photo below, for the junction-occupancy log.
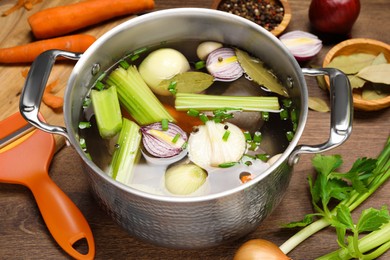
(62, 217)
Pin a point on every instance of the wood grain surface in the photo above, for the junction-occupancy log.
(23, 234)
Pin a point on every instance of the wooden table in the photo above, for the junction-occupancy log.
(23, 234)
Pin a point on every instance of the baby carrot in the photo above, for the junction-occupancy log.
(28, 52)
(61, 20)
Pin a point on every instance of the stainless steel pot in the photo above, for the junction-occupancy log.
(194, 222)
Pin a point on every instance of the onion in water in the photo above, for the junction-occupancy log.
(184, 179)
(209, 146)
(222, 64)
(163, 143)
(162, 64)
(334, 16)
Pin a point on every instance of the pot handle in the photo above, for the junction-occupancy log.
(31, 96)
(341, 112)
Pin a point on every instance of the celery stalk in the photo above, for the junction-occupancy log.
(107, 111)
(137, 97)
(186, 101)
(127, 152)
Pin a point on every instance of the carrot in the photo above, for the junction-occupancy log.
(50, 99)
(28, 52)
(28, 5)
(61, 20)
(183, 120)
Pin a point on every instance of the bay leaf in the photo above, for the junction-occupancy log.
(379, 73)
(189, 82)
(380, 59)
(256, 70)
(318, 104)
(356, 82)
(374, 91)
(351, 64)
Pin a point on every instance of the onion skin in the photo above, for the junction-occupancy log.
(334, 16)
(256, 249)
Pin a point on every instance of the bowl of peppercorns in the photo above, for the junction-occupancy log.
(272, 15)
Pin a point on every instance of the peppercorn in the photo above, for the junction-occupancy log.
(267, 13)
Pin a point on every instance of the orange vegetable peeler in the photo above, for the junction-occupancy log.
(25, 156)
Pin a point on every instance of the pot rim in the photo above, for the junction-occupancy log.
(183, 12)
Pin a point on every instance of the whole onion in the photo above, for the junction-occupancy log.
(334, 16)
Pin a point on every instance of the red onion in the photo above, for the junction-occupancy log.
(302, 45)
(222, 64)
(334, 16)
(158, 142)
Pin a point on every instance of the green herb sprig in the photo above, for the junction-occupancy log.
(350, 189)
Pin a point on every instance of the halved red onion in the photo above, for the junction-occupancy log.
(222, 64)
(160, 143)
(302, 45)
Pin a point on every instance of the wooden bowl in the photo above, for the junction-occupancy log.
(278, 29)
(361, 45)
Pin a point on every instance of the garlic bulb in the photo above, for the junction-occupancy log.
(214, 144)
(205, 48)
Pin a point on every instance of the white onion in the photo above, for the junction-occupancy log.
(302, 45)
(207, 148)
(184, 179)
(160, 65)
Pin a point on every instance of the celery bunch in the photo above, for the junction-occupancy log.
(135, 95)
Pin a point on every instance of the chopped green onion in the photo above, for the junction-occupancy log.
(203, 118)
(252, 146)
(107, 111)
(265, 115)
(263, 156)
(257, 137)
(134, 57)
(124, 64)
(83, 144)
(247, 136)
(127, 152)
(99, 85)
(200, 65)
(294, 115)
(86, 102)
(185, 101)
(227, 165)
(136, 96)
(225, 136)
(175, 138)
(283, 114)
(164, 124)
(295, 126)
(193, 112)
(172, 87)
(287, 102)
(290, 135)
(140, 50)
(84, 124)
(184, 146)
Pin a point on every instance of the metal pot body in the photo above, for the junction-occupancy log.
(195, 222)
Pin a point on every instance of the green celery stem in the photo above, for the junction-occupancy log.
(303, 234)
(202, 102)
(377, 239)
